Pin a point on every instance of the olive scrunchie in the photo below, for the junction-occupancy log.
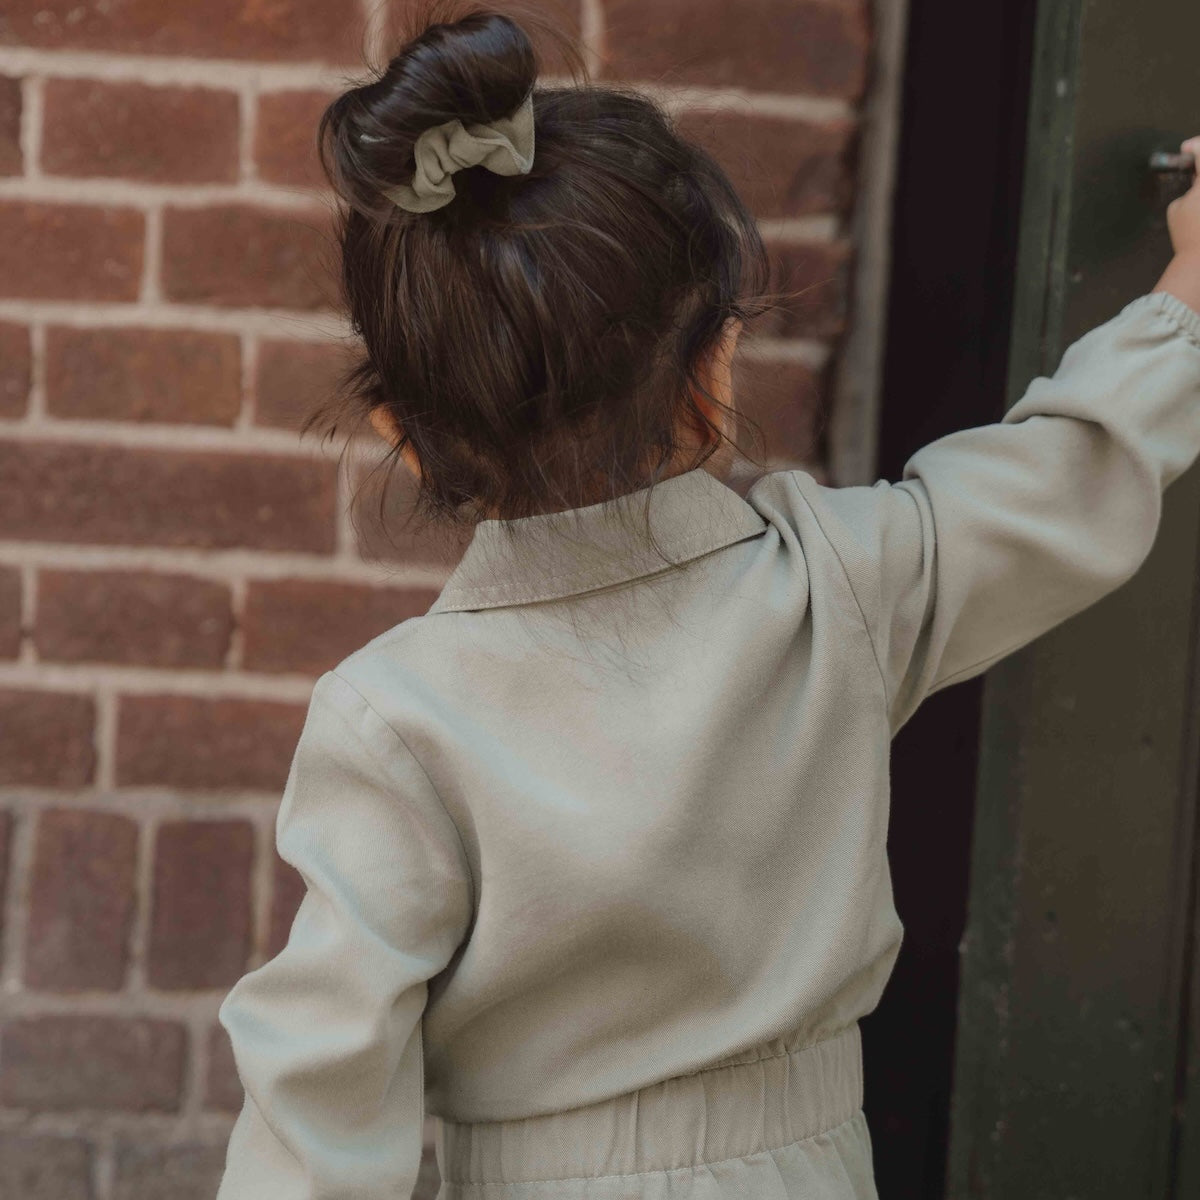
(504, 146)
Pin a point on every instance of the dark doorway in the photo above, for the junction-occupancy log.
(955, 229)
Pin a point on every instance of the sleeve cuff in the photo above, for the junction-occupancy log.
(1181, 316)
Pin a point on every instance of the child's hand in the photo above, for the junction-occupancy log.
(1183, 213)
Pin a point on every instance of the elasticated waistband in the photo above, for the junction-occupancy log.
(767, 1097)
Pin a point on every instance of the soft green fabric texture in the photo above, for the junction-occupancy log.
(588, 826)
(504, 147)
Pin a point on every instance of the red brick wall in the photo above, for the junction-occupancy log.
(176, 567)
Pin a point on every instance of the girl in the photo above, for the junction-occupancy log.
(595, 849)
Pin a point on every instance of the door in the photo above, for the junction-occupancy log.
(1078, 1026)
(955, 228)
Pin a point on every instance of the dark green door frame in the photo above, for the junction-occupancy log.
(1076, 1057)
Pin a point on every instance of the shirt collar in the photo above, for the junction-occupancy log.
(582, 549)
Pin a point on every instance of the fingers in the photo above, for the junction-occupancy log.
(1192, 146)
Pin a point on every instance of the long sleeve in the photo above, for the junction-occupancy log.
(995, 534)
(327, 1034)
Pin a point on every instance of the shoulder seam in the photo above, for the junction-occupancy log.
(858, 604)
(409, 751)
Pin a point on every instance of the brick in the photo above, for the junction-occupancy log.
(287, 890)
(786, 399)
(144, 1171)
(222, 1084)
(11, 160)
(813, 280)
(10, 612)
(294, 377)
(132, 617)
(36, 1166)
(131, 374)
(234, 254)
(82, 900)
(398, 534)
(74, 1061)
(326, 30)
(203, 742)
(46, 738)
(813, 47)
(781, 167)
(15, 369)
(92, 494)
(309, 626)
(200, 921)
(135, 131)
(69, 251)
(285, 141)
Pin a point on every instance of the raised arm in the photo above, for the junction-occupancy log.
(996, 534)
(327, 1034)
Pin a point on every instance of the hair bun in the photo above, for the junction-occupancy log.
(476, 69)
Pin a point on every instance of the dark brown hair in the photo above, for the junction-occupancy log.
(540, 338)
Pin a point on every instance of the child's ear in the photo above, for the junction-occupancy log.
(385, 424)
(720, 366)
(733, 331)
(388, 428)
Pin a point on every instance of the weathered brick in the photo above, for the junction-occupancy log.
(69, 251)
(82, 900)
(223, 1086)
(787, 401)
(398, 534)
(293, 377)
(75, 1061)
(812, 280)
(46, 738)
(287, 890)
(234, 254)
(10, 612)
(11, 160)
(285, 142)
(135, 131)
(38, 1166)
(326, 30)
(310, 625)
(200, 922)
(814, 47)
(781, 166)
(130, 374)
(202, 742)
(15, 358)
(80, 493)
(145, 1171)
(135, 617)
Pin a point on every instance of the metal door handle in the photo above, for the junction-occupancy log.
(1164, 160)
